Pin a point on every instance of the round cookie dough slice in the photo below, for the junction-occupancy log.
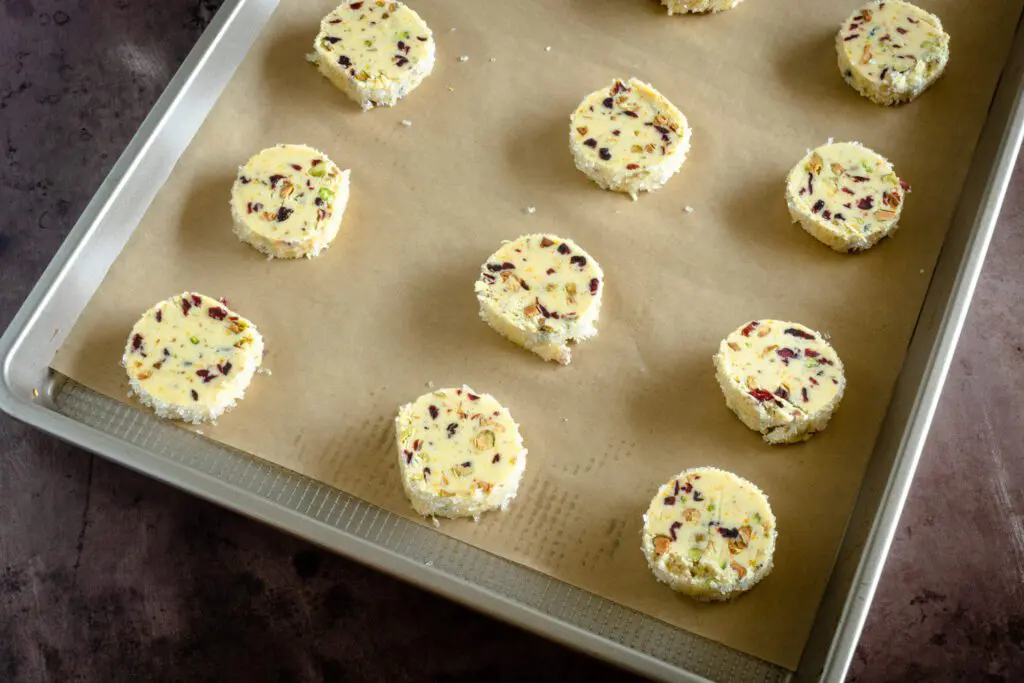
(543, 293)
(709, 534)
(891, 51)
(459, 453)
(780, 378)
(846, 196)
(685, 6)
(288, 201)
(628, 138)
(191, 358)
(375, 52)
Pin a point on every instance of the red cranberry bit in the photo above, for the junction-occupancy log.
(401, 60)
(452, 427)
(434, 412)
(687, 487)
(248, 207)
(275, 179)
(590, 142)
(608, 102)
(594, 283)
(798, 333)
(550, 271)
(912, 20)
(902, 31)
(632, 167)
(604, 154)
(316, 162)
(185, 306)
(344, 61)
(296, 167)
(761, 395)
(851, 37)
(803, 392)
(545, 242)
(826, 214)
(748, 329)
(356, 5)
(283, 213)
(729, 533)
(860, 179)
(810, 183)
(672, 529)
(167, 353)
(616, 132)
(698, 496)
(906, 188)
(472, 397)
(196, 301)
(818, 206)
(195, 395)
(136, 342)
(631, 114)
(811, 353)
(422, 39)
(670, 500)
(578, 260)
(494, 267)
(522, 283)
(467, 464)
(543, 311)
(840, 217)
(848, 190)
(563, 248)
(334, 21)
(788, 353)
(204, 373)
(408, 457)
(159, 316)
(617, 87)
(417, 444)
(508, 266)
(813, 381)
(826, 361)
(217, 313)
(225, 368)
(677, 487)
(496, 458)
(782, 393)
(866, 203)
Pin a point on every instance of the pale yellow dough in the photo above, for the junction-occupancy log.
(688, 6)
(709, 534)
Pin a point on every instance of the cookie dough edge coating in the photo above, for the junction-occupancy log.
(199, 414)
(750, 412)
(699, 6)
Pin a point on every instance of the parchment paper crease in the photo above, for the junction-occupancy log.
(390, 306)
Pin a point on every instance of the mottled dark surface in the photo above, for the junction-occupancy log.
(107, 576)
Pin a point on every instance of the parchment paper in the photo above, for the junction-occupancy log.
(390, 307)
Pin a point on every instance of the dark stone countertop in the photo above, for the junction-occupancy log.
(107, 576)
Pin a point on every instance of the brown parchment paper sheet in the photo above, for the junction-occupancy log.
(390, 307)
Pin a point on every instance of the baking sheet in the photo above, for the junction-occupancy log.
(390, 307)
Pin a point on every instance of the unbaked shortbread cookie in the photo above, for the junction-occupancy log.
(191, 358)
(709, 534)
(780, 378)
(288, 201)
(375, 52)
(891, 51)
(628, 137)
(846, 196)
(459, 453)
(684, 6)
(543, 293)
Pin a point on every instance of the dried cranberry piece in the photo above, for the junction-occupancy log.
(472, 397)
(217, 313)
(604, 154)
(408, 456)
(787, 353)
(729, 533)
(195, 395)
(799, 333)
(826, 214)
(283, 213)
(803, 392)
(906, 187)
(434, 412)
(578, 260)
(670, 500)
(563, 248)
(550, 271)
(672, 529)
(608, 102)
(496, 458)
(902, 31)
(136, 342)
(356, 5)
(860, 179)
(782, 393)
(811, 353)
(631, 114)
(508, 266)
(452, 426)
(748, 329)
(697, 496)
(159, 316)
(242, 179)
(866, 203)
(590, 142)
(225, 368)
(275, 179)
(545, 242)
(344, 61)
(543, 311)
(594, 283)
(494, 267)
(196, 301)
(401, 60)
(818, 206)
(761, 395)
